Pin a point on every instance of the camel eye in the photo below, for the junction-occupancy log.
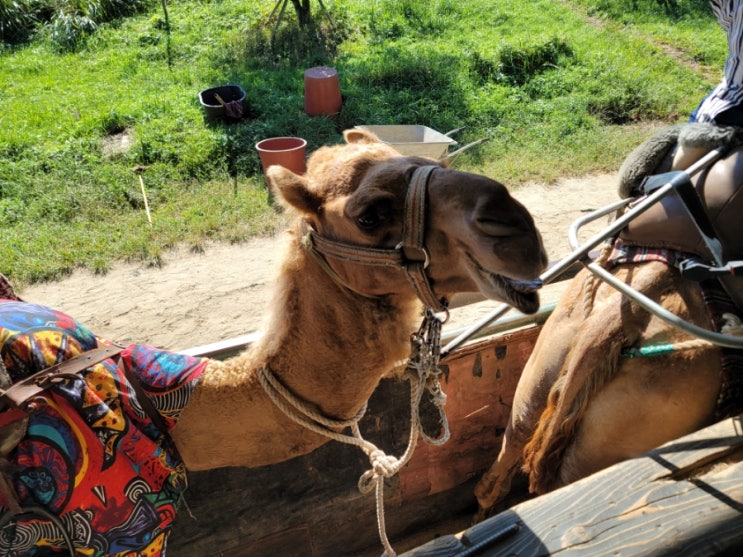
(370, 220)
(375, 215)
(371, 210)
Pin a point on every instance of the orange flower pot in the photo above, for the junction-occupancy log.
(322, 92)
(288, 152)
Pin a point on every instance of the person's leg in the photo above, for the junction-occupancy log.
(730, 117)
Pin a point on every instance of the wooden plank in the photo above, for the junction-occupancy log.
(510, 322)
(293, 542)
(684, 498)
(242, 511)
(482, 380)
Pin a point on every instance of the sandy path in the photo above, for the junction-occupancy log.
(196, 299)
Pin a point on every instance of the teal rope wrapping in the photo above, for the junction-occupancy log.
(647, 351)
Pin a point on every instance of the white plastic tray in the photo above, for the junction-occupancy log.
(415, 140)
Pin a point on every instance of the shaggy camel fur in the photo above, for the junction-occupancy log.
(337, 327)
(580, 404)
(580, 407)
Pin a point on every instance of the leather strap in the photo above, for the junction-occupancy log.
(11, 433)
(5, 383)
(22, 393)
(410, 254)
(353, 253)
(416, 255)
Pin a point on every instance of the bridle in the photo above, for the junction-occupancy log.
(410, 254)
(422, 367)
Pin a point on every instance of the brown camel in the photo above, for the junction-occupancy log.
(585, 400)
(475, 234)
(338, 323)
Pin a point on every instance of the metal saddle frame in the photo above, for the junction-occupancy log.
(656, 187)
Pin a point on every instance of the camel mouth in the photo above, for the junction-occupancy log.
(521, 294)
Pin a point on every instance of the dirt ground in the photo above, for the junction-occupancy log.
(197, 299)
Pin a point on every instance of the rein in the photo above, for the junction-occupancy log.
(422, 371)
(410, 254)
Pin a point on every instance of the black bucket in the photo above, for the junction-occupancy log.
(213, 110)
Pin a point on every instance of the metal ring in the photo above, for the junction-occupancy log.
(426, 256)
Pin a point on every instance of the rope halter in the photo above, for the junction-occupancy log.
(410, 254)
(422, 371)
(422, 368)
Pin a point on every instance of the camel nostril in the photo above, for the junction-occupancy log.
(498, 229)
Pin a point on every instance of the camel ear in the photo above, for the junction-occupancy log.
(359, 135)
(291, 190)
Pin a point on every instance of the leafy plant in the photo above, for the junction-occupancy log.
(66, 22)
(17, 19)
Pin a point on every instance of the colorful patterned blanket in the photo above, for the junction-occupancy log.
(92, 456)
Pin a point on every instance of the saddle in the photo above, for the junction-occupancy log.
(85, 451)
(21, 398)
(719, 191)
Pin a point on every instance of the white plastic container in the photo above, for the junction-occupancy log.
(413, 140)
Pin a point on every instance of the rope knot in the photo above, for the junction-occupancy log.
(423, 372)
(438, 397)
(383, 464)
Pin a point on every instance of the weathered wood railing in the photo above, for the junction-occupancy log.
(684, 498)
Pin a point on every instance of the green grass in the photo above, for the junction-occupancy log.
(559, 88)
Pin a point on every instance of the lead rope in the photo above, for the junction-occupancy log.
(422, 371)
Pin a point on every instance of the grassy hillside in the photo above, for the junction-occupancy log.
(560, 88)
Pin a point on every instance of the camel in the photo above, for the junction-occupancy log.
(377, 237)
(588, 397)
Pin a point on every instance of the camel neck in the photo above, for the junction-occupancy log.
(334, 340)
(327, 345)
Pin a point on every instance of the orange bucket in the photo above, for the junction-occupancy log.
(288, 152)
(322, 92)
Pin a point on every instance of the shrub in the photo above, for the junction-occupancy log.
(66, 22)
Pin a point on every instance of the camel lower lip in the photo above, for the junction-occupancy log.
(526, 285)
(521, 294)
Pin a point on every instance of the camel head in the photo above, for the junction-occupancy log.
(474, 235)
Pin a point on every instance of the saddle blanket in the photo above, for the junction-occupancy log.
(92, 457)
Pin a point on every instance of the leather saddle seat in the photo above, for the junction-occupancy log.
(667, 224)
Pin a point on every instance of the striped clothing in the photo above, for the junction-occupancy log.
(729, 93)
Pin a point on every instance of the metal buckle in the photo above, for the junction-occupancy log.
(420, 251)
